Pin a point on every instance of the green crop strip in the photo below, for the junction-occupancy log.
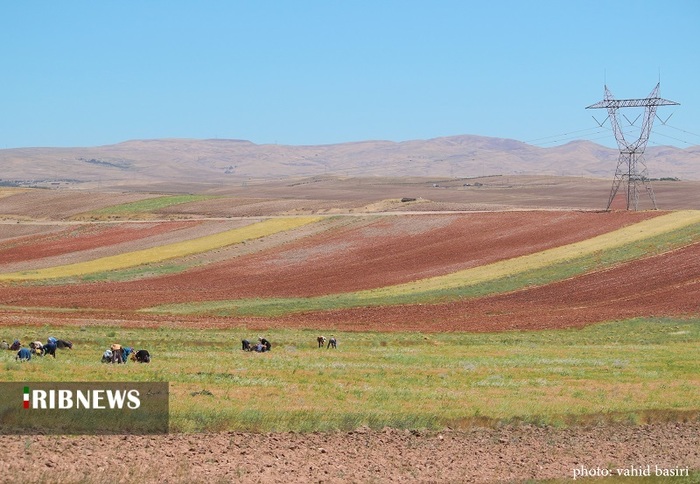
(148, 205)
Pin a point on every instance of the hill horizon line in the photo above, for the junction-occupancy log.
(215, 160)
(554, 145)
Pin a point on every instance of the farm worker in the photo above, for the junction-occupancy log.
(107, 356)
(332, 343)
(49, 349)
(24, 354)
(126, 351)
(116, 353)
(36, 347)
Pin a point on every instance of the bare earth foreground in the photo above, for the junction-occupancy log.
(511, 454)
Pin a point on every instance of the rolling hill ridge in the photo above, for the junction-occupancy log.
(218, 161)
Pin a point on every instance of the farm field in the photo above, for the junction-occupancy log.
(522, 332)
(548, 400)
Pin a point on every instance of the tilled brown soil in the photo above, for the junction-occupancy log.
(391, 250)
(82, 237)
(664, 285)
(507, 454)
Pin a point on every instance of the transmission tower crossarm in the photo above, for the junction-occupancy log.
(632, 103)
(652, 101)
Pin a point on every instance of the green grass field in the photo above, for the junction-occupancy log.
(148, 205)
(631, 371)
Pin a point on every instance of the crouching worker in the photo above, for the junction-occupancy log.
(116, 353)
(24, 354)
(107, 356)
(245, 345)
(126, 351)
(332, 343)
(36, 347)
(62, 344)
(49, 349)
(141, 356)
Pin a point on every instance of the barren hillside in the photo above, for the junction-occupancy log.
(217, 163)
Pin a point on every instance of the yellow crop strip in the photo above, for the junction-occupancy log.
(164, 252)
(489, 272)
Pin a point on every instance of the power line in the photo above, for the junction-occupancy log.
(673, 138)
(558, 135)
(684, 131)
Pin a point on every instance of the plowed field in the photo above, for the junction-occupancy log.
(82, 237)
(363, 253)
(665, 285)
(480, 455)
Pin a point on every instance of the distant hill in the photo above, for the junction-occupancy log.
(188, 161)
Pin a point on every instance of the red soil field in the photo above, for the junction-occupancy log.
(390, 250)
(658, 286)
(663, 285)
(81, 237)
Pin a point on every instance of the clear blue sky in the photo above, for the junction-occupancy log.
(89, 73)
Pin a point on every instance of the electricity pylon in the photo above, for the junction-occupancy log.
(631, 170)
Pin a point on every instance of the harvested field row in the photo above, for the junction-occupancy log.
(80, 238)
(163, 252)
(10, 232)
(172, 232)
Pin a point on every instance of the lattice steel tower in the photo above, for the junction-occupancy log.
(631, 170)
